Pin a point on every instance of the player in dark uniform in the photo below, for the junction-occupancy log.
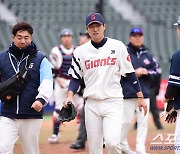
(173, 89)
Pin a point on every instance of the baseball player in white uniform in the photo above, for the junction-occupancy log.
(101, 62)
(60, 58)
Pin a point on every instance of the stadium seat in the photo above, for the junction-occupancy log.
(49, 17)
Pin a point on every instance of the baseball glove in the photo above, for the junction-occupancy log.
(171, 113)
(67, 114)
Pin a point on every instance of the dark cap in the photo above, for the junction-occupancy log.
(136, 30)
(66, 32)
(84, 34)
(94, 18)
(178, 22)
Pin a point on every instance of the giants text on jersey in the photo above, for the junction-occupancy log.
(101, 68)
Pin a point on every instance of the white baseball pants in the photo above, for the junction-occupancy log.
(27, 129)
(103, 119)
(130, 106)
(177, 134)
(60, 94)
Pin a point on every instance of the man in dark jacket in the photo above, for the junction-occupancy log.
(22, 116)
(145, 69)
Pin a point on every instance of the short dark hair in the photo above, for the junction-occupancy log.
(24, 26)
(85, 34)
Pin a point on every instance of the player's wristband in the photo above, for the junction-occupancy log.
(134, 81)
(140, 97)
(74, 85)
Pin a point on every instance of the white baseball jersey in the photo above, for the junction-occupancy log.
(56, 57)
(101, 68)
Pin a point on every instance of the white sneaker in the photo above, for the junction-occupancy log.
(141, 152)
(128, 151)
(54, 138)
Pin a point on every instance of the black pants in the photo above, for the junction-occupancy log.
(154, 109)
(82, 135)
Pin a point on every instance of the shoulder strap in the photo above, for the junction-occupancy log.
(61, 50)
(23, 73)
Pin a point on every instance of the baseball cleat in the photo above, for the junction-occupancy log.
(53, 138)
(77, 146)
(128, 151)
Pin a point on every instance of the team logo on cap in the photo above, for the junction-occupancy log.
(93, 17)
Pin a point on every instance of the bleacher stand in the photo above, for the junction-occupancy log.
(48, 17)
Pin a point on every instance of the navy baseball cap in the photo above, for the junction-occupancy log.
(178, 22)
(94, 18)
(66, 32)
(136, 30)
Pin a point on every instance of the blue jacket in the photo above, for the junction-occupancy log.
(11, 61)
(140, 57)
(174, 77)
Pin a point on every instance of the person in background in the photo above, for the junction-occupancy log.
(84, 37)
(80, 141)
(60, 58)
(146, 70)
(155, 86)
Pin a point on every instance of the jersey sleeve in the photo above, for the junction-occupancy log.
(174, 77)
(56, 58)
(46, 81)
(125, 61)
(75, 70)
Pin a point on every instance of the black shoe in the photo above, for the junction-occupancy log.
(104, 145)
(135, 126)
(77, 146)
(160, 127)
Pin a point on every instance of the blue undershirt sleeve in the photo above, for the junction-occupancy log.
(172, 91)
(134, 81)
(74, 85)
